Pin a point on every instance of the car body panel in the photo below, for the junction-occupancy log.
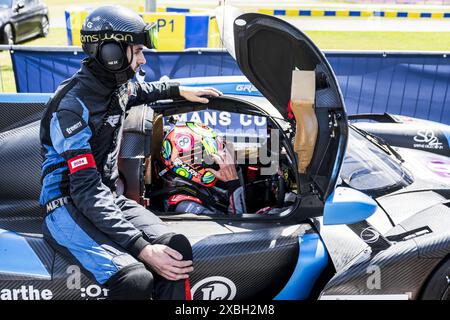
(223, 258)
(312, 260)
(356, 205)
(18, 258)
(413, 134)
(348, 253)
(402, 269)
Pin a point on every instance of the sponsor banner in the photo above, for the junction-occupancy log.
(43, 70)
(221, 121)
(25, 292)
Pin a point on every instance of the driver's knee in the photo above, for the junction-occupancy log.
(133, 282)
(177, 242)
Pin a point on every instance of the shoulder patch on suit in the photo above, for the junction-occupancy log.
(70, 122)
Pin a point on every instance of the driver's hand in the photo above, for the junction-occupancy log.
(227, 164)
(196, 94)
(166, 262)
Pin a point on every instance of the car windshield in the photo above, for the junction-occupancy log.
(366, 167)
(5, 3)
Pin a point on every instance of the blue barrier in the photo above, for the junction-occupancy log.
(411, 84)
(196, 32)
(43, 70)
(415, 85)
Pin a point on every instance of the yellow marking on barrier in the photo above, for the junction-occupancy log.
(437, 15)
(342, 13)
(266, 11)
(213, 33)
(390, 14)
(292, 13)
(317, 13)
(171, 28)
(321, 13)
(198, 10)
(76, 22)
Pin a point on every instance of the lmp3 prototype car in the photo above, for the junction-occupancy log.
(334, 212)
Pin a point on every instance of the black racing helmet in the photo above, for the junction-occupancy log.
(109, 30)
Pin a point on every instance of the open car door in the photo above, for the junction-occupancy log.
(294, 75)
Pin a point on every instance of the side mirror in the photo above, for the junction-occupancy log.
(19, 6)
(347, 206)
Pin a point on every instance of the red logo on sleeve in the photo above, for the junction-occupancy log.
(81, 162)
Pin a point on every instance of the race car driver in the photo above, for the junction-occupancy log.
(189, 152)
(118, 242)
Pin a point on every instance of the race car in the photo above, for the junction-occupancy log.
(349, 216)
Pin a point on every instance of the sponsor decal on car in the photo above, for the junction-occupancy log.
(26, 293)
(369, 235)
(427, 139)
(215, 288)
(246, 87)
(92, 291)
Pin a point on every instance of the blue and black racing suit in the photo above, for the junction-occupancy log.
(85, 219)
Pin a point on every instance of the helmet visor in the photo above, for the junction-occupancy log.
(151, 36)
